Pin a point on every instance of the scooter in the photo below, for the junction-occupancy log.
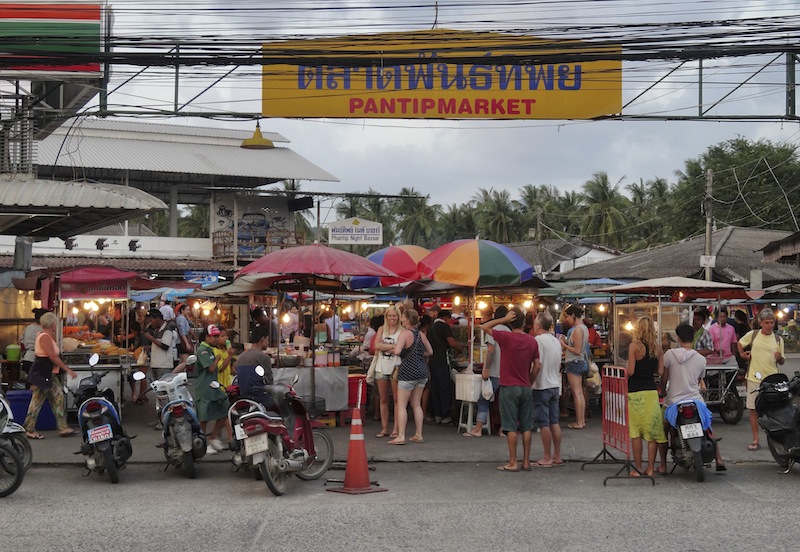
(184, 440)
(691, 445)
(106, 446)
(12, 470)
(780, 418)
(15, 434)
(263, 440)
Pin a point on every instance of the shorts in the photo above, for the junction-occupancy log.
(409, 385)
(645, 418)
(750, 401)
(516, 409)
(392, 376)
(545, 407)
(577, 367)
(181, 349)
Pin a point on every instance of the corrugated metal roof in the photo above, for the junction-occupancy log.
(737, 251)
(25, 191)
(171, 149)
(147, 265)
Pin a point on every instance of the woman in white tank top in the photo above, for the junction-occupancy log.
(386, 367)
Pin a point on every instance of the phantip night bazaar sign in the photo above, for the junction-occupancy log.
(441, 74)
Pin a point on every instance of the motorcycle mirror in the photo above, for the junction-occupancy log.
(214, 385)
(139, 375)
(296, 378)
(757, 375)
(94, 359)
(191, 359)
(260, 371)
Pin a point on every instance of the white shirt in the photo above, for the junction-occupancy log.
(333, 327)
(159, 358)
(167, 312)
(550, 357)
(494, 367)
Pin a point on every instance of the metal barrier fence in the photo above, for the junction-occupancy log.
(615, 424)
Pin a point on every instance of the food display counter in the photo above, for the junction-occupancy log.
(331, 383)
(117, 366)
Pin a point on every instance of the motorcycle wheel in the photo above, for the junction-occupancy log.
(188, 465)
(324, 451)
(23, 448)
(111, 467)
(778, 453)
(11, 470)
(275, 480)
(731, 409)
(699, 469)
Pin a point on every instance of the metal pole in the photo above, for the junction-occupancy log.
(707, 203)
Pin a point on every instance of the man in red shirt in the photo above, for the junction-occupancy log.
(520, 355)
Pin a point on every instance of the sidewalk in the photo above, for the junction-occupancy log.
(442, 443)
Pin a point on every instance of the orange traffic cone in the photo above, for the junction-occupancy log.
(356, 475)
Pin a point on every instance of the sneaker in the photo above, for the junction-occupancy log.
(158, 427)
(210, 450)
(437, 420)
(446, 421)
(216, 444)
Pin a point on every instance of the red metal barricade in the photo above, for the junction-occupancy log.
(615, 423)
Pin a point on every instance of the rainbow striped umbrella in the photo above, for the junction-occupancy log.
(403, 260)
(476, 263)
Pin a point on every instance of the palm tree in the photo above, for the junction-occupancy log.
(416, 219)
(196, 223)
(498, 216)
(604, 206)
(457, 223)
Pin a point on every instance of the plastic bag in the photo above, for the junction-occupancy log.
(487, 391)
(371, 370)
(142, 360)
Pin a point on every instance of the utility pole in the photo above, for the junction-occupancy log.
(709, 219)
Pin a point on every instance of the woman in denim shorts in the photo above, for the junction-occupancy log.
(574, 346)
(412, 347)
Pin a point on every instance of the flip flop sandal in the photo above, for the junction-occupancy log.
(35, 436)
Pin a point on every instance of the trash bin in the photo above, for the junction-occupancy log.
(19, 401)
(13, 352)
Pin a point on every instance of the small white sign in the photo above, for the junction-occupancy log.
(355, 231)
(708, 261)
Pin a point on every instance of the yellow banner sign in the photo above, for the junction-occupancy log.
(441, 74)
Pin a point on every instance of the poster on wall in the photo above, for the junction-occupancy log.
(255, 218)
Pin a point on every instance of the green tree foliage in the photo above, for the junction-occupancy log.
(416, 220)
(603, 208)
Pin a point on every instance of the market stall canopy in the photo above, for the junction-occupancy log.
(50, 209)
(690, 287)
(246, 285)
(314, 260)
(476, 264)
(401, 259)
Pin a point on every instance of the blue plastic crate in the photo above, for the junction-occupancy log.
(19, 401)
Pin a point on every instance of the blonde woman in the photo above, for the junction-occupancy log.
(645, 360)
(386, 367)
(43, 377)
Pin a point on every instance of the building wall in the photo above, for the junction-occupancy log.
(594, 256)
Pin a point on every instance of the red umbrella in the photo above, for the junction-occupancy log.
(403, 259)
(314, 260)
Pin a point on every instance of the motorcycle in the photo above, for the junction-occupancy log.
(184, 440)
(15, 434)
(780, 418)
(12, 469)
(106, 446)
(262, 438)
(691, 445)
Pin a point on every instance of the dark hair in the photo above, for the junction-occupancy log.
(445, 313)
(155, 313)
(37, 314)
(702, 312)
(723, 309)
(574, 310)
(500, 311)
(685, 333)
(425, 321)
(259, 333)
(519, 321)
(376, 322)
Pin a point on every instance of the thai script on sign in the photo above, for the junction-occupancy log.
(443, 76)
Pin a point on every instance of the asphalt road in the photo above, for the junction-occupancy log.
(442, 506)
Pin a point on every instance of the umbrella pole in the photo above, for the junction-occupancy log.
(472, 333)
(313, 339)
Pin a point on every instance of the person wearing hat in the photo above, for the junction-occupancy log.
(28, 341)
(212, 404)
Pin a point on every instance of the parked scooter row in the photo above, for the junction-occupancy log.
(779, 417)
(276, 443)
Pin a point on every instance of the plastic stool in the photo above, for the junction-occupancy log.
(470, 420)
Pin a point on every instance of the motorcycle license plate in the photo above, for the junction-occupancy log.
(742, 391)
(689, 431)
(255, 444)
(238, 430)
(98, 434)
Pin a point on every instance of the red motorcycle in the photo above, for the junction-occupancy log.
(262, 439)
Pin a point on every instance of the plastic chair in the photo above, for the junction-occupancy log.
(469, 422)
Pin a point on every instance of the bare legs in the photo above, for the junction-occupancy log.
(578, 399)
(551, 436)
(512, 439)
(401, 415)
(753, 428)
(383, 392)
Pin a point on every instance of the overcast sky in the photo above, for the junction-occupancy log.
(451, 160)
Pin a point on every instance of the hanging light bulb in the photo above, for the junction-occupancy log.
(197, 305)
(75, 310)
(286, 318)
(482, 305)
(527, 304)
(457, 300)
(206, 312)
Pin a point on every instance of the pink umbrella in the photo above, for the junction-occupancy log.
(314, 260)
